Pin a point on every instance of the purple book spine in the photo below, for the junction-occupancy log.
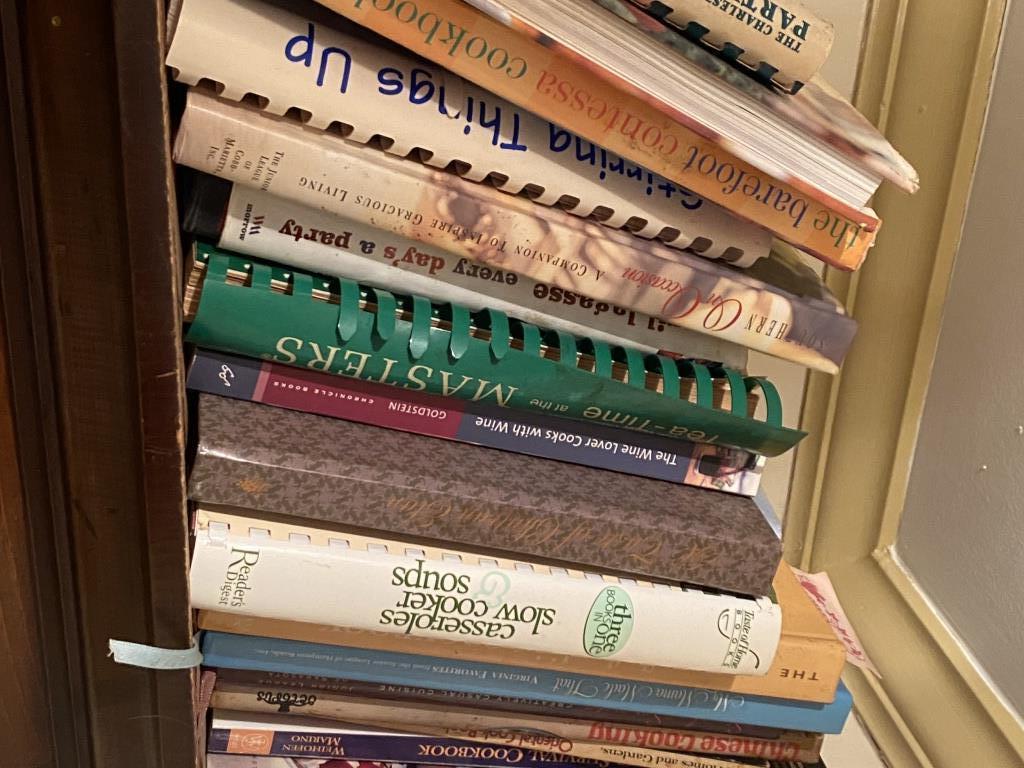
(384, 748)
(703, 466)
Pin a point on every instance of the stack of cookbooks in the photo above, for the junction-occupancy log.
(476, 438)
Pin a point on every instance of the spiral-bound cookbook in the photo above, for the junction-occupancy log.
(778, 305)
(778, 42)
(255, 308)
(246, 220)
(589, 69)
(359, 584)
(335, 73)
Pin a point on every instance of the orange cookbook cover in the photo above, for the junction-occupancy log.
(547, 78)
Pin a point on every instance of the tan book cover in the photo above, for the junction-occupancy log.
(807, 664)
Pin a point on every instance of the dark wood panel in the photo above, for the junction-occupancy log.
(96, 285)
(154, 249)
(25, 727)
(33, 498)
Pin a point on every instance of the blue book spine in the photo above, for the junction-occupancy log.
(231, 651)
(392, 748)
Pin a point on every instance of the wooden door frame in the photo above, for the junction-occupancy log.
(89, 293)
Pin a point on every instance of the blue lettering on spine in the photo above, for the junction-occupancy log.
(390, 80)
(501, 125)
(306, 57)
(586, 153)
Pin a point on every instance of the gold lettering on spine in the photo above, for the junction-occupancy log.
(447, 390)
(502, 400)
(288, 357)
(321, 363)
(356, 369)
(418, 383)
(388, 365)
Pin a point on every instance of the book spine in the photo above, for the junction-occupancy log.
(646, 743)
(785, 43)
(445, 491)
(298, 329)
(255, 224)
(589, 750)
(801, 671)
(548, 437)
(376, 747)
(256, 680)
(505, 232)
(376, 90)
(444, 724)
(239, 651)
(475, 601)
(550, 81)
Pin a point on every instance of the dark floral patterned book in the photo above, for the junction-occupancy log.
(357, 475)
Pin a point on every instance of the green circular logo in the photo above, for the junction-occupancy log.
(609, 623)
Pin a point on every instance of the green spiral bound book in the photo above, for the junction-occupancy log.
(255, 308)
